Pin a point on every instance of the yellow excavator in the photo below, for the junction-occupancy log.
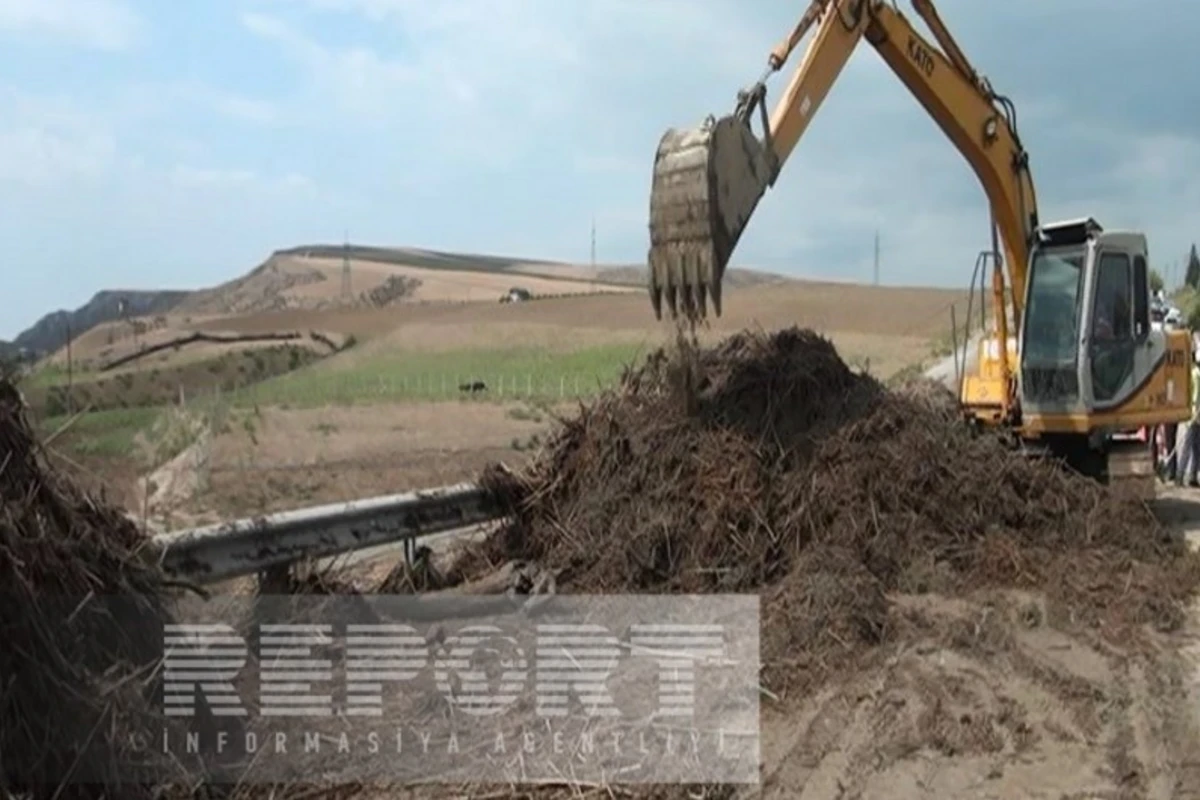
(1081, 367)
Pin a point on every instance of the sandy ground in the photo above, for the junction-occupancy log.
(990, 698)
(988, 701)
(283, 459)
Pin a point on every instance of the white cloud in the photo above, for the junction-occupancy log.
(38, 157)
(45, 142)
(356, 79)
(98, 24)
(237, 106)
(493, 85)
(189, 177)
(244, 181)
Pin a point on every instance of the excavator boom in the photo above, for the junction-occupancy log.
(708, 181)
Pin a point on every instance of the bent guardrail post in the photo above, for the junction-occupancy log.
(271, 543)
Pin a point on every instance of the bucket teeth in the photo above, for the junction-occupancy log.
(656, 300)
(707, 182)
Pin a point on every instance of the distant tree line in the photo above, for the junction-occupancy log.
(1189, 296)
(1191, 278)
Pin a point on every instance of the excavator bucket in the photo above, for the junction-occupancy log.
(707, 182)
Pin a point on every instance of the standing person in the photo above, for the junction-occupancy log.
(1189, 458)
(1166, 452)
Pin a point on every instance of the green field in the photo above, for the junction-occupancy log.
(523, 373)
(508, 373)
(55, 375)
(103, 433)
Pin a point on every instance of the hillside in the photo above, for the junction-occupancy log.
(410, 256)
(50, 332)
(622, 274)
(635, 275)
(309, 278)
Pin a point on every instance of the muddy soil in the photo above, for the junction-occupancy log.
(983, 697)
(988, 697)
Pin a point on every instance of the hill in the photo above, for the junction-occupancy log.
(50, 332)
(620, 274)
(310, 278)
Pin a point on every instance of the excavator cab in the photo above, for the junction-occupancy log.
(1087, 346)
(1087, 312)
(1092, 367)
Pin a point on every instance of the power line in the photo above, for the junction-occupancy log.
(345, 265)
(876, 272)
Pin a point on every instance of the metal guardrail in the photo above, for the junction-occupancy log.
(261, 544)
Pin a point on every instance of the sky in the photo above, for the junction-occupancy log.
(153, 144)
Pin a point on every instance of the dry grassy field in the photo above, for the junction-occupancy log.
(385, 414)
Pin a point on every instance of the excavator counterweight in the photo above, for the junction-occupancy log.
(707, 183)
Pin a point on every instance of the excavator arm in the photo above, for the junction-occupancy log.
(707, 182)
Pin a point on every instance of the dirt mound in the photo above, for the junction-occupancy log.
(81, 621)
(766, 464)
(942, 617)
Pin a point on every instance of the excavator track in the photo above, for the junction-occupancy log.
(1131, 468)
(1125, 466)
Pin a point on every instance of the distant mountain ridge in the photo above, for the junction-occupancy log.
(50, 332)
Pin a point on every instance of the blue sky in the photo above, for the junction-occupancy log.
(174, 144)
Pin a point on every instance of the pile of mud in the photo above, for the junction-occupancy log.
(767, 465)
(81, 615)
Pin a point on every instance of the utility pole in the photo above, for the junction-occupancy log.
(593, 242)
(345, 265)
(70, 372)
(876, 273)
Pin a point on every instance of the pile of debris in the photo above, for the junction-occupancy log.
(81, 622)
(767, 465)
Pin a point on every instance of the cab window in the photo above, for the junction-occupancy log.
(1113, 343)
(1113, 318)
(1141, 297)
